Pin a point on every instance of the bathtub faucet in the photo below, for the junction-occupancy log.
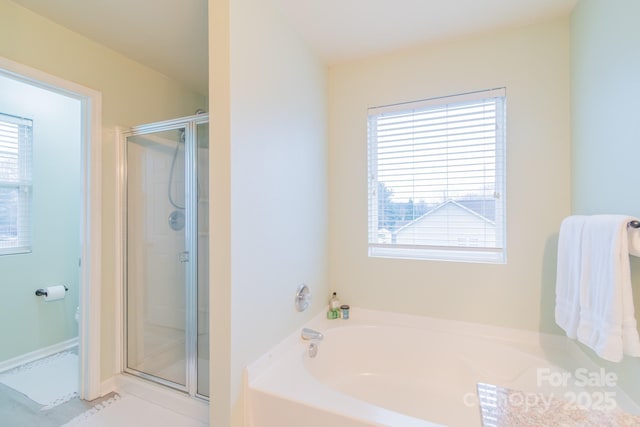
(310, 334)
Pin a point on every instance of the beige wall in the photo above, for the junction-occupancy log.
(269, 102)
(605, 81)
(220, 214)
(533, 64)
(131, 94)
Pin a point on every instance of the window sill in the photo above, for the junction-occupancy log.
(483, 256)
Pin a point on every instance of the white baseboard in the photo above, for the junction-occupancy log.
(108, 386)
(38, 354)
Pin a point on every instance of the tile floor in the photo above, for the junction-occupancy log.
(17, 410)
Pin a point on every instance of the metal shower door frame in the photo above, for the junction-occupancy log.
(189, 124)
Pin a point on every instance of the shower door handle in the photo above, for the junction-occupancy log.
(183, 257)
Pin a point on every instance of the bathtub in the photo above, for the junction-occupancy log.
(387, 369)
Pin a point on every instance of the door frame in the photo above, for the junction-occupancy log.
(91, 218)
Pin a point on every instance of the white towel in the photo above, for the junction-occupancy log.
(599, 267)
(568, 276)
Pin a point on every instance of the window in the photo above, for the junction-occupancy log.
(15, 184)
(437, 178)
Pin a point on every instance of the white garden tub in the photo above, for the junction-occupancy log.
(385, 369)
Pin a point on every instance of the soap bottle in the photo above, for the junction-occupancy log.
(334, 302)
(334, 307)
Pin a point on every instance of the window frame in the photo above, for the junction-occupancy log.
(482, 254)
(21, 182)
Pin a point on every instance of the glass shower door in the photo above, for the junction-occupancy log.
(157, 257)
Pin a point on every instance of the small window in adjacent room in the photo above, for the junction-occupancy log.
(437, 178)
(15, 184)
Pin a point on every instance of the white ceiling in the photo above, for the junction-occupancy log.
(171, 35)
(340, 30)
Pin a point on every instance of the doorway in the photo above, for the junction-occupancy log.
(87, 232)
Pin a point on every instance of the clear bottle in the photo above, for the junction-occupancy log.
(334, 302)
(334, 307)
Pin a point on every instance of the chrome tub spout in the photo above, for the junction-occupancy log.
(310, 334)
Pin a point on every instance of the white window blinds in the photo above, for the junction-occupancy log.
(15, 184)
(437, 178)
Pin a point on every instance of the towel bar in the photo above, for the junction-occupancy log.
(634, 224)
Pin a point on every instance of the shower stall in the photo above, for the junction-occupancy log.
(166, 251)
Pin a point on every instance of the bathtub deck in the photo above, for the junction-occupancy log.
(506, 407)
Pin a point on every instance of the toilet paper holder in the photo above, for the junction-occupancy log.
(42, 292)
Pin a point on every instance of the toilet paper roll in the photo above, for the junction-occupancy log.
(55, 293)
